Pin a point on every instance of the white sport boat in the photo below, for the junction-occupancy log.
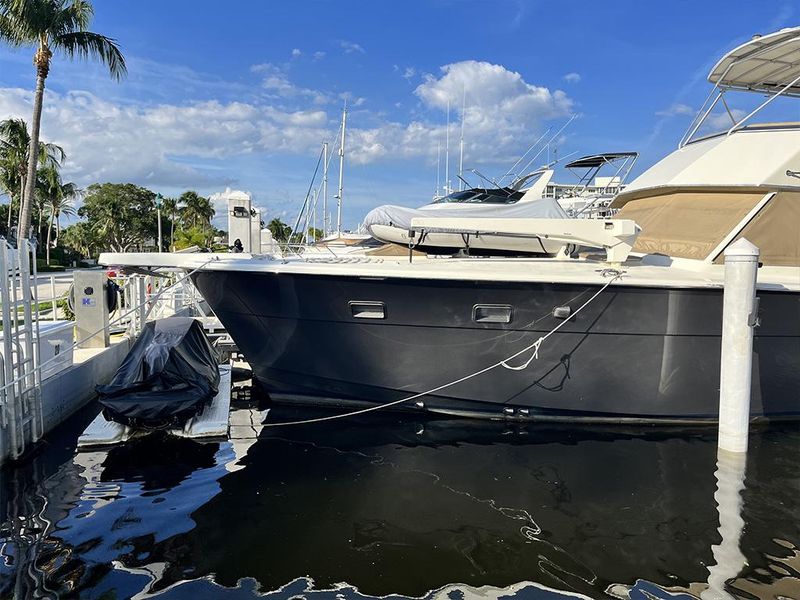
(622, 323)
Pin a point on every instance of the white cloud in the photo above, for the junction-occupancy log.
(296, 53)
(572, 77)
(351, 47)
(167, 144)
(409, 73)
(503, 112)
(676, 109)
(319, 55)
(276, 81)
(192, 144)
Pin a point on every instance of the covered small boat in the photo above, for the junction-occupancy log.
(169, 375)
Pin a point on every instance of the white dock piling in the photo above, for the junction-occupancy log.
(736, 358)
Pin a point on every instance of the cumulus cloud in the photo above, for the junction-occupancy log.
(676, 109)
(503, 111)
(157, 145)
(351, 47)
(187, 144)
(319, 55)
(296, 53)
(572, 77)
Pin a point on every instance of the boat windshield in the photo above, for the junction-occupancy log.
(482, 196)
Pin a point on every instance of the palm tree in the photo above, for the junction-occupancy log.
(170, 206)
(196, 211)
(58, 198)
(52, 25)
(14, 148)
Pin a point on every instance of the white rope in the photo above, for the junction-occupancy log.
(152, 300)
(534, 346)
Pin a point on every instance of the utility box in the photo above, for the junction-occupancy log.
(91, 309)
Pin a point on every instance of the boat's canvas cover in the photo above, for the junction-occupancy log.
(400, 216)
(775, 229)
(687, 224)
(168, 376)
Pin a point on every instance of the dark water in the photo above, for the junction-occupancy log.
(401, 505)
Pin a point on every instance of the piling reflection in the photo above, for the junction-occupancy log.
(728, 557)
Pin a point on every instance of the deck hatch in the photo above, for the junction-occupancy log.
(491, 313)
(363, 309)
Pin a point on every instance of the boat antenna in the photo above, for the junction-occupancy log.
(465, 181)
(521, 158)
(461, 142)
(482, 176)
(325, 189)
(447, 152)
(341, 173)
(547, 145)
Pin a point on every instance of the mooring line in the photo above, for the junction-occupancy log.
(534, 346)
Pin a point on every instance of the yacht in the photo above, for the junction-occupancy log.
(621, 324)
(521, 199)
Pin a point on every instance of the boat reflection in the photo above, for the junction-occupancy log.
(397, 505)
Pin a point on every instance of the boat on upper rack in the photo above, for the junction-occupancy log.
(533, 196)
(622, 323)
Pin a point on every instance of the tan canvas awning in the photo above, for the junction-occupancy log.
(687, 224)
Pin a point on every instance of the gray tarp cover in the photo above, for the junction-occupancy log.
(400, 216)
(167, 377)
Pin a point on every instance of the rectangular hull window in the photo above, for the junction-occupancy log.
(491, 313)
(367, 310)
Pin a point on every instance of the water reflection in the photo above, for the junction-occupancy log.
(442, 508)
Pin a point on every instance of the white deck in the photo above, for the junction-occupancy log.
(653, 271)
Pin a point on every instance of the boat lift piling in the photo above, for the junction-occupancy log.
(739, 317)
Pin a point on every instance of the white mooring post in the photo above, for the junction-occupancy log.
(736, 358)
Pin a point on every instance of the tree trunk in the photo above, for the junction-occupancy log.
(42, 61)
(49, 233)
(172, 233)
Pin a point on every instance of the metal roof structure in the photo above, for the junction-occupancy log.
(598, 160)
(766, 63)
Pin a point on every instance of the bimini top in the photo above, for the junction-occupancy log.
(598, 160)
(764, 64)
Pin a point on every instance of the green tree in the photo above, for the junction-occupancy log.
(280, 231)
(58, 197)
(81, 238)
(169, 206)
(50, 25)
(315, 234)
(15, 142)
(121, 215)
(197, 212)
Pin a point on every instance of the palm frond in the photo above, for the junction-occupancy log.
(85, 44)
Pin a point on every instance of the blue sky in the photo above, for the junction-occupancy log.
(242, 94)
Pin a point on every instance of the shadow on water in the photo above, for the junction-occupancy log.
(398, 504)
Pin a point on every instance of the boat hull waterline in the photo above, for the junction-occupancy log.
(632, 354)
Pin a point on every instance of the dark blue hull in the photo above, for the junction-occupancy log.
(644, 354)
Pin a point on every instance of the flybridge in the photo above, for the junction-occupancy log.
(767, 64)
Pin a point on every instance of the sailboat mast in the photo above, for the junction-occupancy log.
(447, 153)
(341, 173)
(461, 143)
(325, 189)
(438, 167)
